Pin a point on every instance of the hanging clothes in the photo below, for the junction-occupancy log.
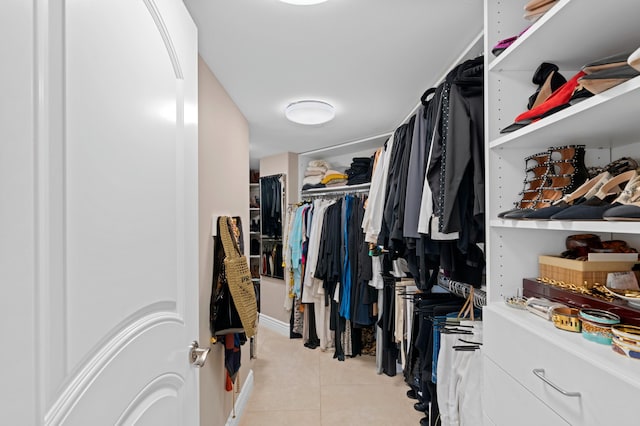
(271, 205)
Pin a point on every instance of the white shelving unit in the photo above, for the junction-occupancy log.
(571, 34)
(254, 215)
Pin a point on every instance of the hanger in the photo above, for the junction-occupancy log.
(467, 308)
(423, 98)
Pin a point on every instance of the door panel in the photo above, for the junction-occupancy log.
(100, 179)
(121, 173)
(17, 216)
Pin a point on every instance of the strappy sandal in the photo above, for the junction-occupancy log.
(536, 167)
(603, 200)
(629, 203)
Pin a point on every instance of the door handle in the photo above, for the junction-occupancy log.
(198, 355)
(539, 372)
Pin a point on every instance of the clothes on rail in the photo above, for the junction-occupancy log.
(459, 374)
(443, 379)
(436, 158)
(331, 269)
(271, 207)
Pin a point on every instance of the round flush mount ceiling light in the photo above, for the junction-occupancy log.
(303, 2)
(309, 112)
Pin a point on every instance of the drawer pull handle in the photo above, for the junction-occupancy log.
(539, 372)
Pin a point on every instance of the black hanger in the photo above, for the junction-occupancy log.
(423, 98)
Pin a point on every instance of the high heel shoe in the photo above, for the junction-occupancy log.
(548, 80)
(556, 102)
(565, 171)
(567, 167)
(603, 200)
(535, 171)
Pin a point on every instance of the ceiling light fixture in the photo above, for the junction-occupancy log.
(310, 112)
(303, 2)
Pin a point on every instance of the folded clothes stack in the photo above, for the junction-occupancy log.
(360, 170)
(334, 178)
(314, 174)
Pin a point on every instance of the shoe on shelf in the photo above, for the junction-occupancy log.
(606, 79)
(579, 94)
(562, 173)
(567, 168)
(584, 192)
(612, 61)
(629, 203)
(603, 200)
(536, 8)
(502, 45)
(536, 167)
(566, 171)
(558, 101)
(548, 80)
(634, 59)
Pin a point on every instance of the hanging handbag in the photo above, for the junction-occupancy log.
(239, 278)
(223, 316)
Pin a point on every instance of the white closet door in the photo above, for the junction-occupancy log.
(100, 176)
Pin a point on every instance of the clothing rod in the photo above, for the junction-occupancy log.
(349, 143)
(346, 189)
(340, 192)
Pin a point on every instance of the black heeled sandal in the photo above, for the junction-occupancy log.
(535, 170)
(548, 80)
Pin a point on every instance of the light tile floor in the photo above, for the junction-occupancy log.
(294, 385)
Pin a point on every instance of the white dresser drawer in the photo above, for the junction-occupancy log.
(508, 403)
(608, 384)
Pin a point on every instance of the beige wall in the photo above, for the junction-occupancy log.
(223, 177)
(273, 291)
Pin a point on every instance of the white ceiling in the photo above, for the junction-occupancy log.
(371, 59)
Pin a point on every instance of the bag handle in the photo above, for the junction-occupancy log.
(229, 243)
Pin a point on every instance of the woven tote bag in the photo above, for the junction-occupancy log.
(239, 279)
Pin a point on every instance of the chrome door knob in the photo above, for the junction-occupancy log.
(197, 355)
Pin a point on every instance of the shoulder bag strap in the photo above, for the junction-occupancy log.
(229, 243)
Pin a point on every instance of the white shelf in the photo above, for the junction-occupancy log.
(609, 119)
(254, 209)
(624, 369)
(562, 225)
(572, 34)
(254, 185)
(254, 256)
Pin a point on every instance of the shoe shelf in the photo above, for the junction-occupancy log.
(619, 227)
(571, 34)
(566, 35)
(608, 119)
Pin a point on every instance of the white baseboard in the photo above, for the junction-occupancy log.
(241, 402)
(273, 324)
